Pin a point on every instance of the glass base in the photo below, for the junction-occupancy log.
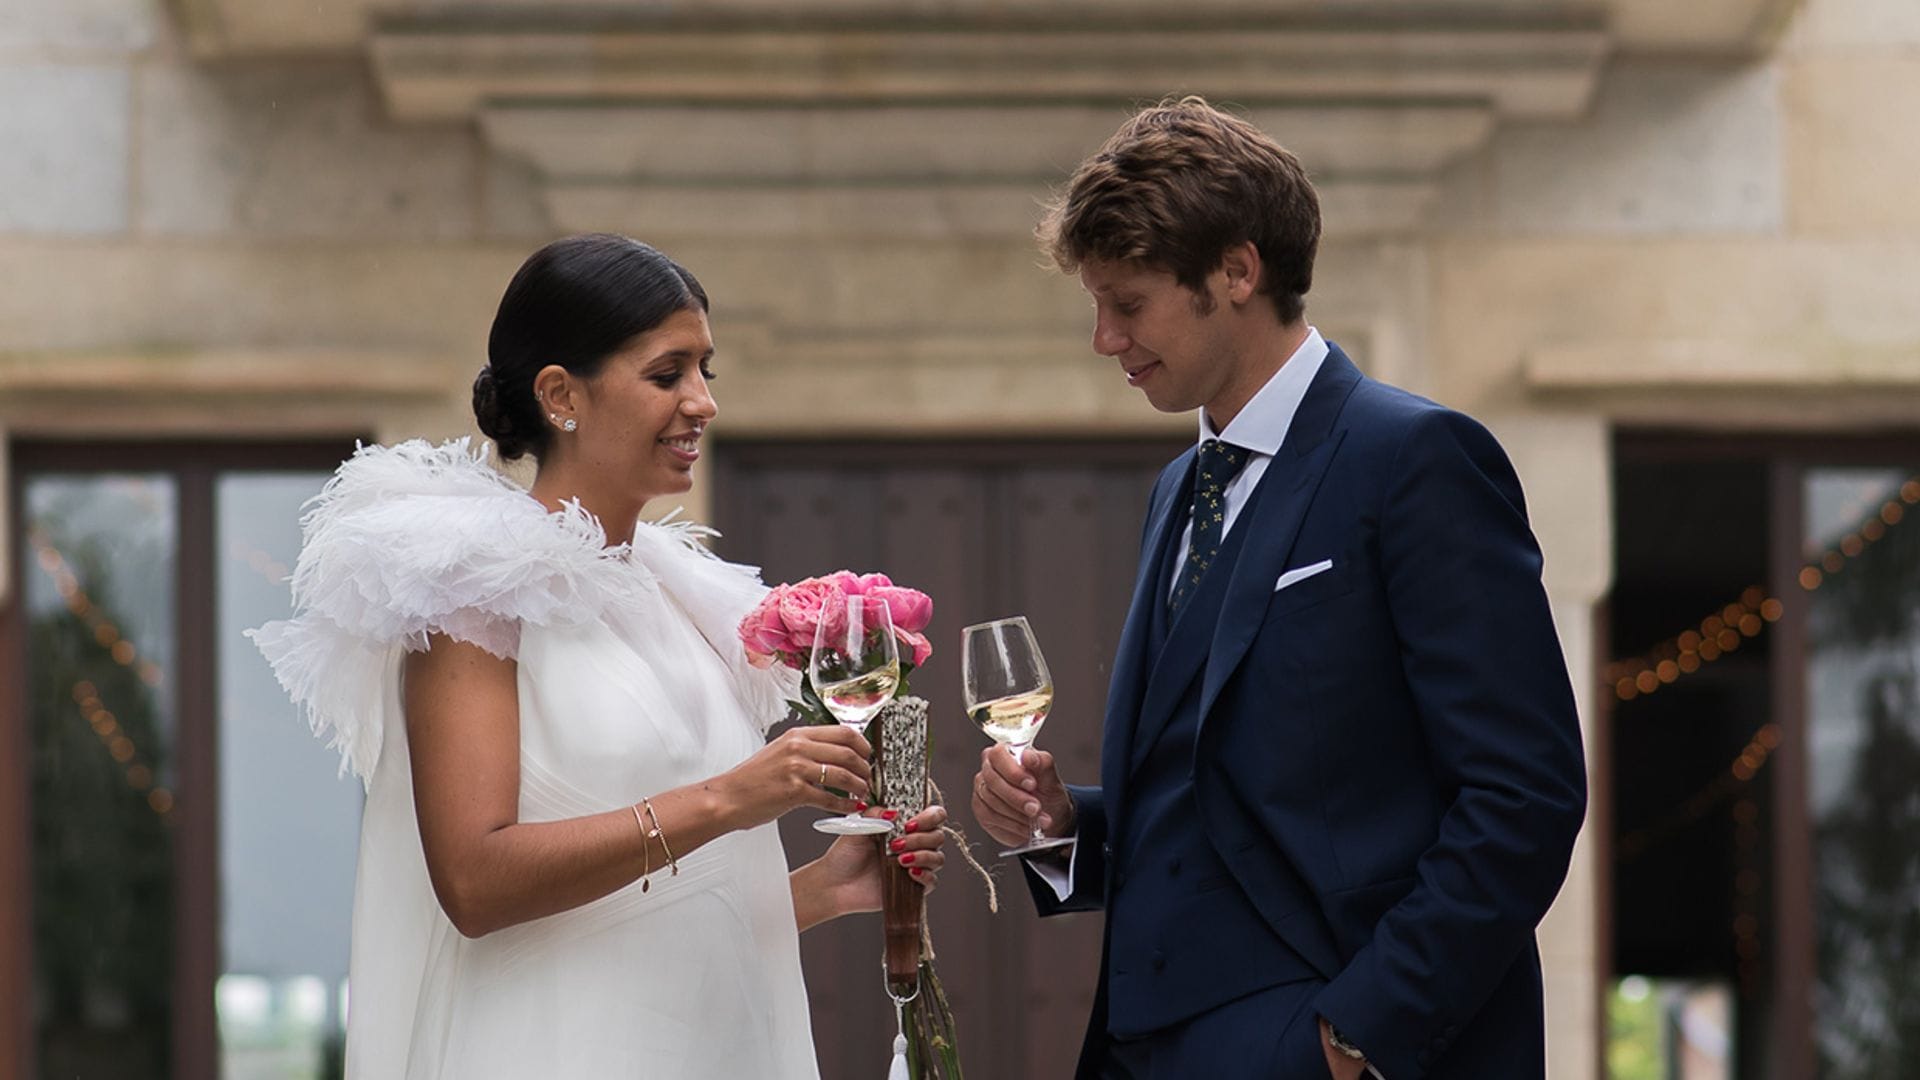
(853, 825)
(1044, 843)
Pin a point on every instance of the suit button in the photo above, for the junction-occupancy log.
(1173, 868)
(1119, 878)
(1107, 850)
(1159, 962)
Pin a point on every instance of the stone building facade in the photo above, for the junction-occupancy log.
(235, 220)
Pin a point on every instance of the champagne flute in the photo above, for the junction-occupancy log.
(855, 668)
(1008, 693)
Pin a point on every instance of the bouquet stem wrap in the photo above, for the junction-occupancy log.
(899, 736)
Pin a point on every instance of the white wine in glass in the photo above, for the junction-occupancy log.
(1008, 693)
(855, 669)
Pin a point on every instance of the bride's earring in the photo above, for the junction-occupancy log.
(565, 425)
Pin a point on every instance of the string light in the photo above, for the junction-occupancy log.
(105, 633)
(106, 727)
(275, 571)
(1746, 765)
(1722, 631)
(1746, 919)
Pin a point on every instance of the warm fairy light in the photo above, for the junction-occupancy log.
(161, 800)
(123, 652)
(83, 690)
(1720, 632)
(1746, 765)
(140, 777)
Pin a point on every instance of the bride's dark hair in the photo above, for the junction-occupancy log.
(574, 303)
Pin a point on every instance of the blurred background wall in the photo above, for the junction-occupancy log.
(1669, 252)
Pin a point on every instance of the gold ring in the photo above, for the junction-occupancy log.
(823, 774)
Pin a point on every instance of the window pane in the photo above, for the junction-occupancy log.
(1863, 708)
(289, 822)
(99, 599)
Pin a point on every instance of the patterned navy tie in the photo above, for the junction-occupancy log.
(1219, 464)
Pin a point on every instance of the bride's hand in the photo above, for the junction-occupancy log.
(850, 866)
(796, 769)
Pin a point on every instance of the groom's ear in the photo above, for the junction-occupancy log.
(1243, 269)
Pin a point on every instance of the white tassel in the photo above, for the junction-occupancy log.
(899, 1070)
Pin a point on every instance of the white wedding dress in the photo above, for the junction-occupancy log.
(631, 682)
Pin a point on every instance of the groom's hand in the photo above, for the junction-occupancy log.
(1011, 798)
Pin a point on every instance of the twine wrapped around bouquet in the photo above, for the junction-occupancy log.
(931, 1050)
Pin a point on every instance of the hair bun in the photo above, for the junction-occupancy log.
(494, 421)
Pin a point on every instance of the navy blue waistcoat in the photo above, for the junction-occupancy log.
(1183, 937)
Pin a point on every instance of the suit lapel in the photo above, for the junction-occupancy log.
(1301, 463)
(1135, 653)
(1265, 532)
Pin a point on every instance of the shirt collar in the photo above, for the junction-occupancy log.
(1262, 425)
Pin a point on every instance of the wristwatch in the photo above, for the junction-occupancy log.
(1339, 1042)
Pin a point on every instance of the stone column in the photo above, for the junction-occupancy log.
(1564, 461)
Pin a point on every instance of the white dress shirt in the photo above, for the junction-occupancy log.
(1261, 427)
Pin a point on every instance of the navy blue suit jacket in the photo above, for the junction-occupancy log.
(1389, 757)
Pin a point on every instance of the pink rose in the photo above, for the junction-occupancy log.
(847, 580)
(911, 609)
(922, 648)
(764, 633)
(870, 582)
(804, 605)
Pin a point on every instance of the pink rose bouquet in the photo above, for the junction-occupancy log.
(781, 629)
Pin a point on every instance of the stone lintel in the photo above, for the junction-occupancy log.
(136, 377)
(1728, 387)
(447, 70)
(938, 209)
(850, 142)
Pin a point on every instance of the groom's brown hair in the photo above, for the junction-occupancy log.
(1179, 184)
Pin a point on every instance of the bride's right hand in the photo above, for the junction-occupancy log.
(796, 769)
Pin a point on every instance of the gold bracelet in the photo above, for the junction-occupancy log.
(646, 855)
(661, 836)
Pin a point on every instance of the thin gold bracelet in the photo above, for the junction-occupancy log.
(646, 855)
(660, 835)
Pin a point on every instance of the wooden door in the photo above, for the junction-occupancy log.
(1051, 531)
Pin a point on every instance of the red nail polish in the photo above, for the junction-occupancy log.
(916, 871)
(889, 814)
(913, 826)
(898, 845)
(859, 805)
(907, 859)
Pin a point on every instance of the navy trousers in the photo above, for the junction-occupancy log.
(1270, 1034)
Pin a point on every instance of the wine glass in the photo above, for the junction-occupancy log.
(1008, 693)
(855, 668)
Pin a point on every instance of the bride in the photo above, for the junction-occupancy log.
(568, 863)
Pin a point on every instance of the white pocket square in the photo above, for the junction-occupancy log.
(1300, 574)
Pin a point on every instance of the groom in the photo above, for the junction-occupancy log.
(1342, 773)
